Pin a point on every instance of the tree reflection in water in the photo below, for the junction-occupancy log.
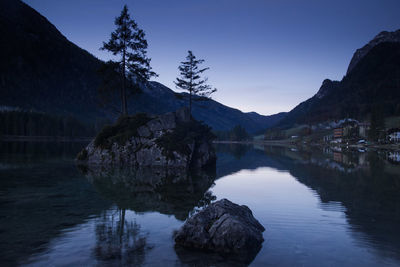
(118, 241)
(168, 191)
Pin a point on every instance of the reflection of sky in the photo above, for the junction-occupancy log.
(300, 230)
(76, 246)
(265, 56)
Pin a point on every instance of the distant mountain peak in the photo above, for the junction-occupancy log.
(372, 81)
(383, 36)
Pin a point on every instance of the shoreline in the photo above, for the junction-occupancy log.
(288, 143)
(282, 143)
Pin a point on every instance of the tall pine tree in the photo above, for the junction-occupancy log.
(191, 81)
(129, 43)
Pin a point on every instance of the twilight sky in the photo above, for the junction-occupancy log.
(264, 55)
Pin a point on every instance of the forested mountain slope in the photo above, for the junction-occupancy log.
(41, 70)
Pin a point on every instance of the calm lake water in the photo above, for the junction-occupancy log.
(319, 208)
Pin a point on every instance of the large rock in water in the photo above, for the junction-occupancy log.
(223, 227)
(168, 140)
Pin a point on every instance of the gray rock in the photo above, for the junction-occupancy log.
(154, 125)
(144, 131)
(143, 148)
(168, 121)
(223, 227)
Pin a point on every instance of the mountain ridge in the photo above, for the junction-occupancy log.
(43, 71)
(382, 37)
(373, 82)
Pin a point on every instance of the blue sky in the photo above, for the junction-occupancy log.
(264, 55)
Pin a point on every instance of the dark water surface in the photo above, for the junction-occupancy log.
(319, 208)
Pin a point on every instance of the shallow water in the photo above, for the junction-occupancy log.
(319, 208)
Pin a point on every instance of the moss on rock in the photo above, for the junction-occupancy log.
(121, 131)
(82, 155)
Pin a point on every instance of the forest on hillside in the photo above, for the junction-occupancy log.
(31, 123)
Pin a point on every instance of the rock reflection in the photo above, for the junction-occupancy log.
(168, 191)
(190, 257)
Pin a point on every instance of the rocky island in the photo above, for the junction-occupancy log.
(170, 140)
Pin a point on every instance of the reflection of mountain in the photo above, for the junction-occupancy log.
(236, 157)
(168, 191)
(34, 152)
(37, 204)
(369, 192)
(371, 198)
(364, 183)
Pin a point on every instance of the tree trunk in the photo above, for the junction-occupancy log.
(124, 102)
(191, 88)
(190, 103)
(121, 91)
(122, 224)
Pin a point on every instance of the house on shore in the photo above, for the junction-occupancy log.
(347, 130)
(328, 138)
(394, 157)
(394, 135)
(338, 133)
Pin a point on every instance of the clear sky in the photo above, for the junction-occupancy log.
(264, 55)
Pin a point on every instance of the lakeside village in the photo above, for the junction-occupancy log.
(344, 134)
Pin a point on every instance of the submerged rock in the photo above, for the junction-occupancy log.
(168, 140)
(223, 227)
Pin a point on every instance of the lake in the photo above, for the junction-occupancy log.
(319, 207)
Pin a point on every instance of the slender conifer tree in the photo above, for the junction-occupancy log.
(191, 81)
(129, 43)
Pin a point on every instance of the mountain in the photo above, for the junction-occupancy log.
(383, 37)
(372, 82)
(41, 70)
(157, 98)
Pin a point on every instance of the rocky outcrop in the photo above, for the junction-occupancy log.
(223, 227)
(168, 140)
(384, 36)
(326, 88)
